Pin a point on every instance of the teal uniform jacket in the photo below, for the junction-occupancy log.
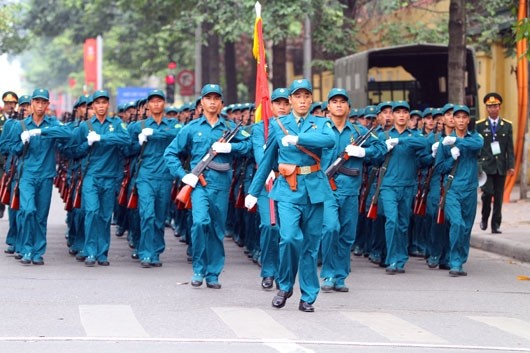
(153, 164)
(315, 134)
(40, 158)
(210, 202)
(195, 139)
(461, 198)
(301, 211)
(374, 147)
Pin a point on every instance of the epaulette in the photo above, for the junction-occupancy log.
(481, 121)
(508, 121)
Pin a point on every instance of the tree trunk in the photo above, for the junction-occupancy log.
(278, 64)
(457, 52)
(213, 58)
(230, 73)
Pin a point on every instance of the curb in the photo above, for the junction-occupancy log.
(510, 248)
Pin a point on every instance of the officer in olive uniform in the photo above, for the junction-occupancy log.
(296, 143)
(496, 159)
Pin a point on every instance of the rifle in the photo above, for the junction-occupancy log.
(366, 190)
(343, 157)
(372, 211)
(440, 217)
(185, 193)
(15, 201)
(417, 197)
(122, 195)
(240, 199)
(7, 178)
(421, 207)
(69, 202)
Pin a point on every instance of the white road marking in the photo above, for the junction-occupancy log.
(394, 328)
(252, 323)
(514, 326)
(110, 321)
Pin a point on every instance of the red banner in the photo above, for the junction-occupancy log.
(91, 62)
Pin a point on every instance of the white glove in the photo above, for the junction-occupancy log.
(93, 137)
(190, 179)
(434, 148)
(271, 177)
(455, 152)
(250, 201)
(355, 151)
(25, 136)
(289, 140)
(142, 138)
(222, 147)
(35, 132)
(449, 140)
(390, 143)
(147, 131)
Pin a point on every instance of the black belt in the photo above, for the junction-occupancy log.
(350, 171)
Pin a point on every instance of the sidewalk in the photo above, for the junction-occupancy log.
(514, 241)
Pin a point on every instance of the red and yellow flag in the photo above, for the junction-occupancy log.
(263, 104)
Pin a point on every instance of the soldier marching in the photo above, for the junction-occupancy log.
(382, 181)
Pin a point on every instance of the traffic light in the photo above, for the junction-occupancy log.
(170, 89)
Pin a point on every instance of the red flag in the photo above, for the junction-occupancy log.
(263, 104)
(91, 62)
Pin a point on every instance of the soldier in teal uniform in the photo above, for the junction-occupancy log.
(340, 213)
(296, 143)
(10, 100)
(459, 156)
(398, 184)
(99, 139)
(209, 201)
(269, 234)
(497, 160)
(35, 171)
(153, 179)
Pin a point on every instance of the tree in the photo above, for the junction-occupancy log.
(457, 52)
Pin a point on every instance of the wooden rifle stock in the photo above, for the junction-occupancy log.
(132, 203)
(343, 157)
(124, 186)
(15, 201)
(185, 193)
(417, 197)
(78, 189)
(7, 178)
(272, 205)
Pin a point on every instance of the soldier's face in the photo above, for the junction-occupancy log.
(156, 105)
(449, 119)
(301, 101)
(338, 107)
(461, 121)
(39, 106)
(386, 116)
(428, 122)
(211, 103)
(101, 106)
(280, 107)
(493, 110)
(401, 117)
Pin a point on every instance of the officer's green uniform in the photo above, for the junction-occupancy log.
(495, 163)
